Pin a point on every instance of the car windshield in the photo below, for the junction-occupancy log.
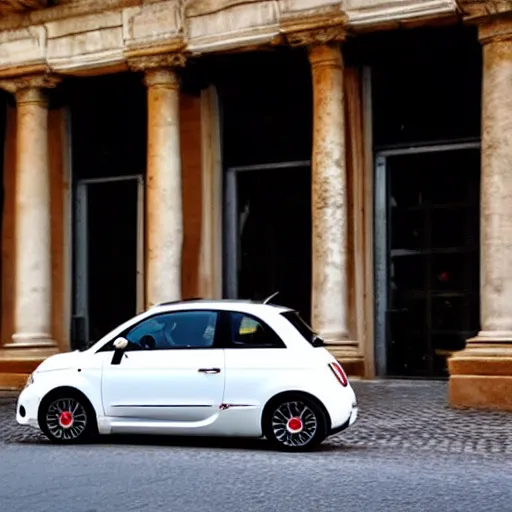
(306, 331)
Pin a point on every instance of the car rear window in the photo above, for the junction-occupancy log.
(307, 332)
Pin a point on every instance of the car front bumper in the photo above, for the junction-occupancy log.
(27, 407)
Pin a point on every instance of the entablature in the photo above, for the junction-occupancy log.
(82, 36)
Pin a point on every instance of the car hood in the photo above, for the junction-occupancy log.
(60, 362)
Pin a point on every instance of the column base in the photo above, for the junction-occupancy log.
(481, 374)
(346, 352)
(485, 338)
(30, 340)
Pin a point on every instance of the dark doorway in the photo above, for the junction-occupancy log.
(108, 120)
(266, 106)
(272, 235)
(426, 105)
(109, 239)
(3, 130)
(432, 267)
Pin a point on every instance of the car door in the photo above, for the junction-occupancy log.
(172, 370)
(255, 358)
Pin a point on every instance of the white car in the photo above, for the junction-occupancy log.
(197, 367)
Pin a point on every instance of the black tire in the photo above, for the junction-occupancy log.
(307, 436)
(78, 426)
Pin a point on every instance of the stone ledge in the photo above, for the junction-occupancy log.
(12, 381)
(476, 10)
(23, 361)
(491, 366)
(353, 368)
(19, 365)
(63, 11)
(398, 12)
(481, 392)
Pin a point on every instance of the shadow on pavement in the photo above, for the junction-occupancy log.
(187, 442)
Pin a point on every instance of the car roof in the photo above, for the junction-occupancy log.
(219, 304)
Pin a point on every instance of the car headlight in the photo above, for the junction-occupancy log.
(30, 380)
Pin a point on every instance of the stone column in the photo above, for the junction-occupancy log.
(496, 191)
(329, 199)
(33, 295)
(210, 260)
(164, 215)
(481, 375)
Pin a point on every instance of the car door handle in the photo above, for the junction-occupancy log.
(209, 370)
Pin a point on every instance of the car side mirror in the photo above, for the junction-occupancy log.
(318, 342)
(120, 345)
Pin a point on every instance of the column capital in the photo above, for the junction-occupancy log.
(29, 87)
(146, 63)
(495, 29)
(307, 34)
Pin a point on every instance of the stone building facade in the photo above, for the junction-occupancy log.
(355, 156)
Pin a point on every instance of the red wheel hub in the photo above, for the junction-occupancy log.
(294, 425)
(66, 419)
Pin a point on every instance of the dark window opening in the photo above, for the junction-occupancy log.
(192, 329)
(426, 83)
(246, 331)
(266, 104)
(108, 124)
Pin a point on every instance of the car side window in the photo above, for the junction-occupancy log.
(176, 330)
(249, 332)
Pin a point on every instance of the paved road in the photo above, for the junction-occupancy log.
(408, 452)
(246, 477)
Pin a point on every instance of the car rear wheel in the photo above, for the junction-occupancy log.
(295, 423)
(67, 418)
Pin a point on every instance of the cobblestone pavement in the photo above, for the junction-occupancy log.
(414, 415)
(399, 415)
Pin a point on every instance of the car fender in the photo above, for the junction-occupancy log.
(336, 400)
(89, 386)
(294, 381)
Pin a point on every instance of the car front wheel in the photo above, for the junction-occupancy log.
(68, 418)
(295, 423)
